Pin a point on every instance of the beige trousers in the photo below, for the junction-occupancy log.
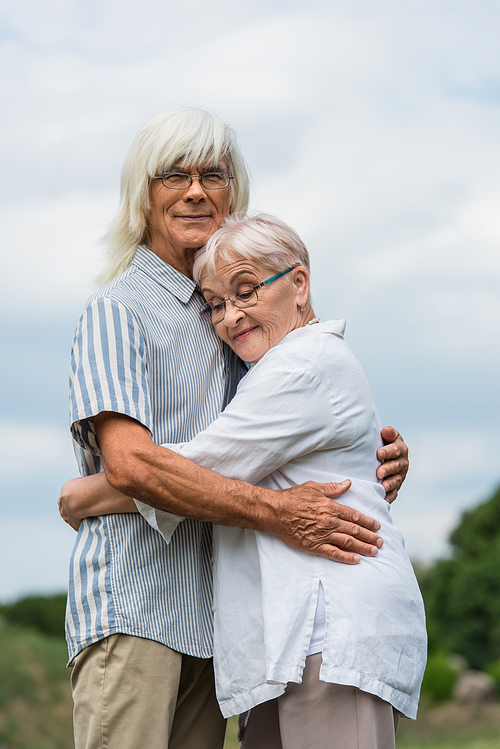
(319, 715)
(133, 693)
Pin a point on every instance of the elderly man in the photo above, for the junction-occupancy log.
(147, 370)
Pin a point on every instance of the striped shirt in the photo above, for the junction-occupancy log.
(142, 350)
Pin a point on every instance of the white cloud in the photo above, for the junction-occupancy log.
(451, 471)
(52, 253)
(36, 556)
(371, 126)
(27, 449)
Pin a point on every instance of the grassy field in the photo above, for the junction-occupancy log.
(36, 706)
(449, 726)
(35, 699)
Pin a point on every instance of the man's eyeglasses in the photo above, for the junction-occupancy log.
(183, 180)
(244, 296)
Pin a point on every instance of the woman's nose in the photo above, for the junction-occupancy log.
(233, 314)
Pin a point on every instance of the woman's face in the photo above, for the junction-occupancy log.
(251, 332)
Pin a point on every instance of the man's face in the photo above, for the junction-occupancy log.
(182, 221)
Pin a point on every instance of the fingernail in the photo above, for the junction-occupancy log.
(374, 552)
(376, 525)
(382, 454)
(347, 481)
(384, 473)
(379, 542)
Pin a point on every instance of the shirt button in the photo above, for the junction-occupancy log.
(214, 607)
(212, 559)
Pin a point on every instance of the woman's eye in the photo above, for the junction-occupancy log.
(244, 293)
(217, 305)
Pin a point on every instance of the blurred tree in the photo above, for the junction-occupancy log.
(462, 594)
(43, 613)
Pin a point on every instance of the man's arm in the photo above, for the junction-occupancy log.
(395, 464)
(304, 517)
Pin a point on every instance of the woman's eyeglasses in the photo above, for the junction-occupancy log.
(244, 296)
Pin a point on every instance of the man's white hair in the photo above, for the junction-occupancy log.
(262, 238)
(185, 136)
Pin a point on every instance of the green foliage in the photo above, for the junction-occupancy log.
(35, 696)
(478, 530)
(462, 594)
(439, 678)
(494, 670)
(45, 614)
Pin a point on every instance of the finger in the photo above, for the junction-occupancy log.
(337, 555)
(358, 540)
(393, 468)
(389, 434)
(354, 545)
(393, 482)
(333, 489)
(391, 496)
(357, 518)
(347, 535)
(345, 549)
(393, 451)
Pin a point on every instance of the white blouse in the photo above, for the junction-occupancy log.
(305, 412)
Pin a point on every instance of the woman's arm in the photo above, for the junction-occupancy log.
(91, 496)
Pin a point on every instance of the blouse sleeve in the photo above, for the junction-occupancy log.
(278, 414)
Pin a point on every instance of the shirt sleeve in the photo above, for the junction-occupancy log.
(108, 369)
(278, 414)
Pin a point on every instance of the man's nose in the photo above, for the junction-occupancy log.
(195, 191)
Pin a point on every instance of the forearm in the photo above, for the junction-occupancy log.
(94, 496)
(305, 517)
(89, 497)
(167, 481)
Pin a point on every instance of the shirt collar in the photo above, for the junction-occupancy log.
(337, 327)
(177, 283)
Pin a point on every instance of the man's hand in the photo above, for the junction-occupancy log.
(396, 463)
(308, 519)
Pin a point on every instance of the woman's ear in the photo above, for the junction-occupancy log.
(300, 279)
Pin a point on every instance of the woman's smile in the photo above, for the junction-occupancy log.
(244, 333)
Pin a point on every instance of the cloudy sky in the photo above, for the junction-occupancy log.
(372, 126)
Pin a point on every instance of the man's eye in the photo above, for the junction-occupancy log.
(176, 178)
(213, 178)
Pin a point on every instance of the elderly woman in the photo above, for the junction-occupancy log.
(323, 654)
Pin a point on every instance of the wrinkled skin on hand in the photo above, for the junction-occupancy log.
(394, 468)
(309, 519)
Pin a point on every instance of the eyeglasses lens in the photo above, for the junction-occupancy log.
(209, 180)
(244, 296)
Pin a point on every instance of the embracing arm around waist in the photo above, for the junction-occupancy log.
(304, 517)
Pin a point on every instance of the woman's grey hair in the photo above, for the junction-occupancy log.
(184, 136)
(261, 238)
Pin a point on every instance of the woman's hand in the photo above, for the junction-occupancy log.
(89, 497)
(65, 503)
(395, 462)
